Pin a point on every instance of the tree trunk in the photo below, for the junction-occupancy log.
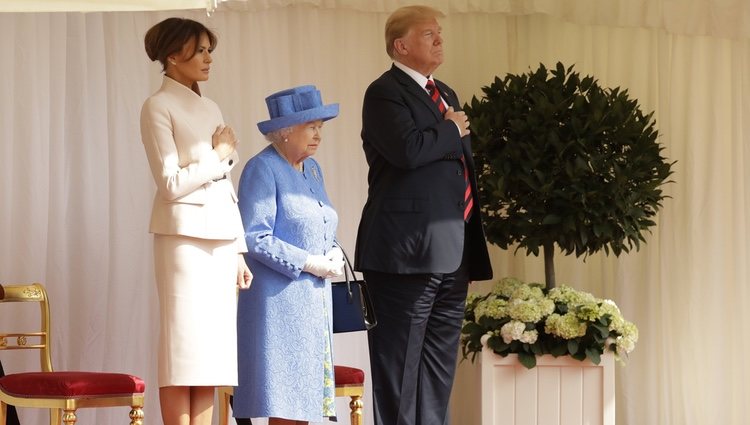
(549, 264)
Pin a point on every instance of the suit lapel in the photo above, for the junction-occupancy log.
(412, 87)
(448, 95)
(450, 98)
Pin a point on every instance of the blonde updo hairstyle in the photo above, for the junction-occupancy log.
(171, 35)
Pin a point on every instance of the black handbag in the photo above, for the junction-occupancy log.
(352, 306)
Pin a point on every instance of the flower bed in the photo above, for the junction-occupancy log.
(529, 320)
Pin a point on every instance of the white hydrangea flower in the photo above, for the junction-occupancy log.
(527, 292)
(512, 331)
(506, 286)
(473, 297)
(529, 337)
(566, 326)
(588, 311)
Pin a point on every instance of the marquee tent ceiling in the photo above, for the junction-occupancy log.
(719, 18)
(101, 5)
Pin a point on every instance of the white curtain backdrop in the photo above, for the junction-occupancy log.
(103, 5)
(75, 189)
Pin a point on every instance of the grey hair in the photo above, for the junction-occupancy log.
(279, 136)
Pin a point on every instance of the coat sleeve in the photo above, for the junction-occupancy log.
(257, 202)
(173, 181)
(391, 126)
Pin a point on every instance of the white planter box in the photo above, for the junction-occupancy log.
(558, 391)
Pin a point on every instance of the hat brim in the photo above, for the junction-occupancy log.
(324, 113)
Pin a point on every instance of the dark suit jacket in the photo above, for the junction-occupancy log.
(413, 219)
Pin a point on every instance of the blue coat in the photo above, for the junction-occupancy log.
(283, 317)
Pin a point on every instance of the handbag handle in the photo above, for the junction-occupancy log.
(365, 303)
(348, 269)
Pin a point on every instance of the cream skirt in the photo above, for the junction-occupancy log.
(196, 281)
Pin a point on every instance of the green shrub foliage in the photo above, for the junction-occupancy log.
(562, 160)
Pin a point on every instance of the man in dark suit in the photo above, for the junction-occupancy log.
(420, 239)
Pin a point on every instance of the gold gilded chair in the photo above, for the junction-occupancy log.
(350, 382)
(60, 392)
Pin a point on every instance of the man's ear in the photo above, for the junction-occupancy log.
(399, 46)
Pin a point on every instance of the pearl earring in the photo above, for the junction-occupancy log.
(286, 140)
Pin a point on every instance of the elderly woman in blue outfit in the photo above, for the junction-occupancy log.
(284, 319)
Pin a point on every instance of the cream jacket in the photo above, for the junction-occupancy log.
(193, 197)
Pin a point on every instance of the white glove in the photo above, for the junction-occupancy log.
(322, 266)
(335, 254)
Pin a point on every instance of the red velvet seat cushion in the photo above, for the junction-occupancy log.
(70, 384)
(345, 375)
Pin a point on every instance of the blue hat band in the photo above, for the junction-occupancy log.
(297, 102)
(294, 106)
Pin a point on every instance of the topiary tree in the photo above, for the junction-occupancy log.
(562, 161)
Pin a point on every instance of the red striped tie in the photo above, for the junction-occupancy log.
(468, 199)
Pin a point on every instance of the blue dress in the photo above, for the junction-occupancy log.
(284, 320)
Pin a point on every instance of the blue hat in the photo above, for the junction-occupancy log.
(296, 106)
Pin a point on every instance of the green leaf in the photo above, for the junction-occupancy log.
(579, 356)
(497, 344)
(528, 360)
(551, 219)
(593, 355)
(603, 330)
(572, 346)
(471, 328)
(558, 350)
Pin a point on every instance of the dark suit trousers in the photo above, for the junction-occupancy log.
(12, 418)
(414, 347)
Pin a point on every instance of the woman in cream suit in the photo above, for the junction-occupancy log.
(197, 229)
